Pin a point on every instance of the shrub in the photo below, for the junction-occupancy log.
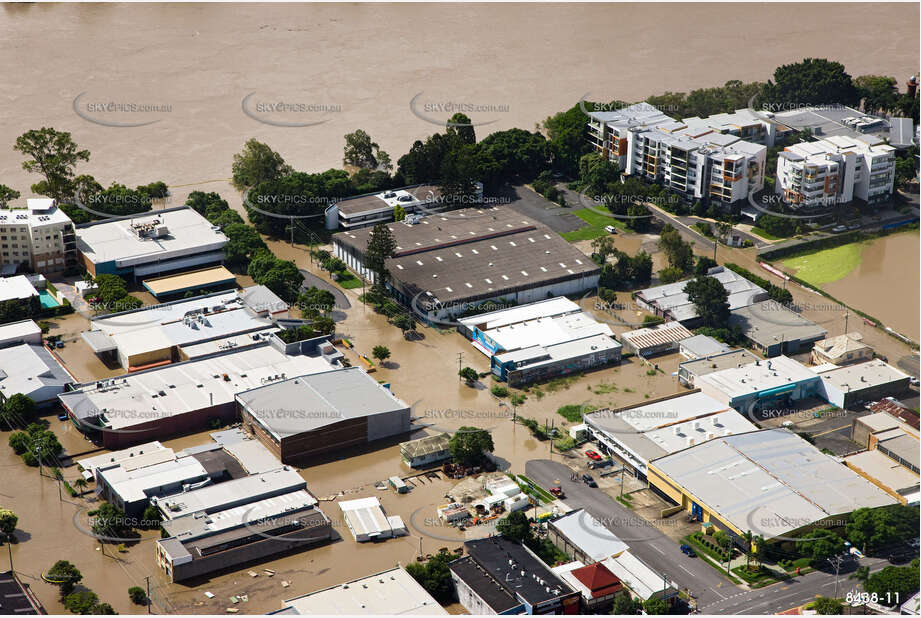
(137, 595)
(499, 391)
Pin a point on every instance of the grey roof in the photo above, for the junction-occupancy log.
(768, 323)
(371, 201)
(232, 493)
(309, 402)
(588, 534)
(259, 298)
(771, 481)
(703, 345)
(426, 446)
(672, 300)
(717, 362)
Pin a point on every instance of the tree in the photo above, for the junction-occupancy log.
(83, 602)
(711, 300)
(80, 484)
(599, 175)
(361, 151)
(870, 528)
(109, 521)
(459, 125)
(814, 81)
(826, 606)
(679, 252)
(381, 246)
(469, 374)
(468, 445)
(64, 575)
(670, 274)
(515, 527)
(17, 411)
(435, 576)
(7, 195)
(566, 132)
(137, 595)
(655, 607)
(315, 301)
(151, 517)
(380, 352)
(8, 521)
(703, 265)
(604, 246)
(625, 605)
(879, 92)
(280, 276)
(820, 545)
(399, 213)
(894, 584)
(405, 322)
(54, 155)
(243, 241)
(104, 609)
(257, 163)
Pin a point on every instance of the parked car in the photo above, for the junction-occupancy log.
(557, 492)
(593, 455)
(854, 226)
(588, 480)
(838, 229)
(914, 381)
(610, 229)
(62, 416)
(687, 550)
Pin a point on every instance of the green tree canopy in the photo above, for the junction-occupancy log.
(8, 521)
(381, 246)
(460, 125)
(515, 526)
(814, 81)
(257, 163)
(64, 575)
(54, 155)
(7, 195)
(711, 300)
(470, 444)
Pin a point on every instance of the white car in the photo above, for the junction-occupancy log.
(610, 229)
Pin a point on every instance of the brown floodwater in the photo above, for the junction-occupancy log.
(364, 63)
(886, 282)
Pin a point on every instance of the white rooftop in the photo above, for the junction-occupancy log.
(116, 457)
(872, 373)
(20, 330)
(32, 370)
(17, 287)
(185, 387)
(672, 298)
(134, 484)
(38, 212)
(219, 496)
(589, 535)
(769, 481)
(558, 305)
(365, 516)
(547, 331)
(636, 575)
(111, 240)
(758, 376)
(389, 592)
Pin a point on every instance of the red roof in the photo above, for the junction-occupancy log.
(897, 409)
(598, 579)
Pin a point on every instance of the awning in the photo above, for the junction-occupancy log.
(99, 341)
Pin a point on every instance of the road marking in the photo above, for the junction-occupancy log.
(657, 549)
(682, 567)
(822, 433)
(718, 593)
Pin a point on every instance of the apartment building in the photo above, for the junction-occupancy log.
(39, 237)
(691, 158)
(836, 170)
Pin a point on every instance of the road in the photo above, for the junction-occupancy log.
(646, 542)
(793, 593)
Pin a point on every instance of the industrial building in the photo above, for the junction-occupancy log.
(198, 546)
(639, 434)
(770, 482)
(772, 329)
(301, 417)
(584, 538)
(841, 350)
(660, 339)
(170, 286)
(693, 158)
(393, 591)
(367, 210)
(643, 582)
(836, 170)
(366, 520)
(426, 451)
(541, 340)
(180, 397)
(863, 382)
(444, 266)
(39, 238)
(186, 329)
(891, 461)
(17, 288)
(137, 247)
(33, 370)
(671, 302)
(499, 576)
(701, 346)
(17, 598)
(892, 436)
(597, 585)
(764, 385)
(230, 494)
(689, 370)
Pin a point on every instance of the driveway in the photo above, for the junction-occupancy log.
(533, 205)
(645, 541)
(312, 280)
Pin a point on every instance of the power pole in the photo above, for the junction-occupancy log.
(460, 358)
(147, 579)
(847, 313)
(9, 547)
(836, 562)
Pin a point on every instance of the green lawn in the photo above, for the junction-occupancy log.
(826, 265)
(765, 234)
(596, 223)
(351, 283)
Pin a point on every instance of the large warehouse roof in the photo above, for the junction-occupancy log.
(187, 233)
(551, 307)
(769, 323)
(771, 481)
(672, 300)
(310, 402)
(758, 376)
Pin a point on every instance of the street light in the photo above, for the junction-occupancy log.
(836, 562)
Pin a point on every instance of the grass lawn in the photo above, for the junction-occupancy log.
(595, 228)
(765, 234)
(351, 283)
(826, 265)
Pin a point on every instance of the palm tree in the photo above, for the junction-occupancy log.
(80, 484)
